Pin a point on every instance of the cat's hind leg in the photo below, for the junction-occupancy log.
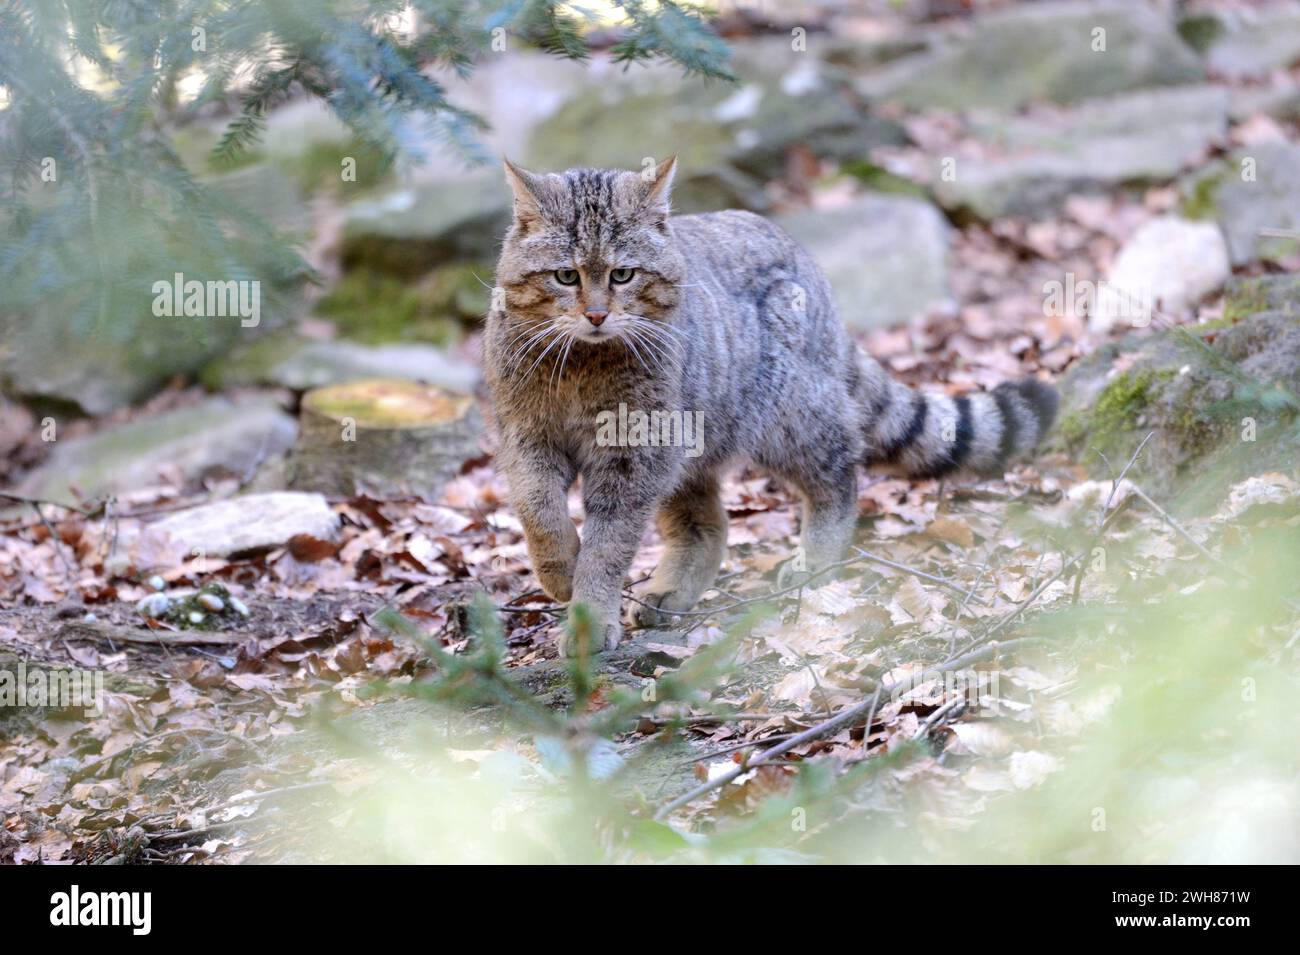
(693, 524)
(830, 512)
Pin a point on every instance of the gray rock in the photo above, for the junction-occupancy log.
(1253, 192)
(1194, 390)
(1042, 51)
(408, 231)
(330, 363)
(885, 257)
(729, 138)
(55, 353)
(1136, 138)
(250, 522)
(216, 434)
(302, 365)
(1255, 41)
(1282, 102)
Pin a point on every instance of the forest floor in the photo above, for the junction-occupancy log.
(241, 739)
(204, 733)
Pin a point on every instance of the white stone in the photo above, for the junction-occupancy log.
(1167, 266)
(243, 523)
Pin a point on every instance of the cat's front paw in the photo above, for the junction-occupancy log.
(600, 634)
(554, 562)
(556, 578)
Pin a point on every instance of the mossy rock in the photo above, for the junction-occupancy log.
(373, 308)
(1268, 293)
(409, 232)
(1219, 402)
(1254, 195)
(285, 361)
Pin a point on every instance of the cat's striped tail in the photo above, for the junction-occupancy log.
(919, 435)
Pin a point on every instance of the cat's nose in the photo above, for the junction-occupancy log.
(596, 315)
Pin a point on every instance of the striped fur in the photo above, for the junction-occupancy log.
(725, 316)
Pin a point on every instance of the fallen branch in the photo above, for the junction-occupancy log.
(1179, 529)
(115, 633)
(840, 719)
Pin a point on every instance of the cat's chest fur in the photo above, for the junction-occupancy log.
(570, 404)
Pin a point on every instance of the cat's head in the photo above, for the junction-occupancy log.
(589, 252)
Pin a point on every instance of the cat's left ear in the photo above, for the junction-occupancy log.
(659, 184)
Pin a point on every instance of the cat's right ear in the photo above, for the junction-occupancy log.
(527, 189)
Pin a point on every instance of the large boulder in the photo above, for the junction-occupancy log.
(1254, 195)
(187, 443)
(1219, 400)
(302, 365)
(1032, 163)
(1251, 43)
(885, 256)
(409, 231)
(1040, 52)
(730, 138)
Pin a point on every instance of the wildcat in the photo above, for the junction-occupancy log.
(605, 300)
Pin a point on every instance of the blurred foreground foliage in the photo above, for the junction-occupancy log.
(96, 204)
(1188, 753)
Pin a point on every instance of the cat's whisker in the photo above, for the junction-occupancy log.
(530, 330)
(653, 348)
(668, 346)
(660, 327)
(557, 373)
(663, 358)
(658, 335)
(629, 340)
(539, 335)
(545, 351)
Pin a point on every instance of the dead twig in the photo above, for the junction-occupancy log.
(844, 717)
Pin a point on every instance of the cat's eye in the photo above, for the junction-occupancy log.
(566, 276)
(619, 276)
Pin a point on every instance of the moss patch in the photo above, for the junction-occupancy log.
(879, 179)
(1245, 297)
(1200, 31)
(1120, 406)
(374, 309)
(1202, 203)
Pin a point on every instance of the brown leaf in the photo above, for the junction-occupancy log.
(305, 547)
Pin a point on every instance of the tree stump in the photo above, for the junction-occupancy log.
(383, 437)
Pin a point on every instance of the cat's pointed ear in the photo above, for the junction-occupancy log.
(659, 184)
(527, 187)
